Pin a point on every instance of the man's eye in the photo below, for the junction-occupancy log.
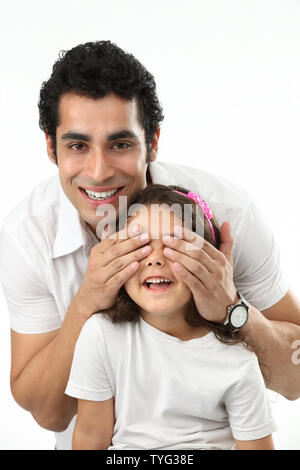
(121, 146)
(77, 147)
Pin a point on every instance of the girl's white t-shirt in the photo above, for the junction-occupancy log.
(169, 393)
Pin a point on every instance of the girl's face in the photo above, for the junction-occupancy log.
(155, 287)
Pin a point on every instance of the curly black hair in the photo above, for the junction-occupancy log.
(96, 69)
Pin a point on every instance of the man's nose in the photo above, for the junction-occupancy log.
(99, 167)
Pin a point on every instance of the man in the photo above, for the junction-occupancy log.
(101, 116)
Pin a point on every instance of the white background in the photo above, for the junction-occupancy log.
(228, 77)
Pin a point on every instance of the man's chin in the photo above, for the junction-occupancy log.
(89, 219)
(111, 216)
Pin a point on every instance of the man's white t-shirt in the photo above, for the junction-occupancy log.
(169, 393)
(44, 249)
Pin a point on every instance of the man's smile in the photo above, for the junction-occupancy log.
(101, 195)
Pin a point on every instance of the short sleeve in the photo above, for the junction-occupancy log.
(31, 306)
(88, 378)
(248, 406)
(257, 271)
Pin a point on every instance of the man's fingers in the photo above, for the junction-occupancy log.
(198, 241)
(119, 279)
(195, 285)
(122, 262)
(129, 231)
(191, 250)
(120, 249)
(226, 245)
(188, 235)
(196, 268)
(120, 244)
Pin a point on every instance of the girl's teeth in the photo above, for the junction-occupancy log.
(156, 281)
(100, 196)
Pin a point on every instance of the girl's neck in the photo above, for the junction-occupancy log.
(174, 325)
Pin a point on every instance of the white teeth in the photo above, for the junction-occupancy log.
(99, 196)
(157, 280)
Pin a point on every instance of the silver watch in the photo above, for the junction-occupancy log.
(237, 314)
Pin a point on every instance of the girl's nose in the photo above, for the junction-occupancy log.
(156, 258)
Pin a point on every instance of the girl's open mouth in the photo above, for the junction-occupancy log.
(157, 284)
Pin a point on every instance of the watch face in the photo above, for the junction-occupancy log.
(238, 316)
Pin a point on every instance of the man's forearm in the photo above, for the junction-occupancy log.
(40, 386)
(274, 340)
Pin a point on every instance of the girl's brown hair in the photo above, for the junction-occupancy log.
(126, 310)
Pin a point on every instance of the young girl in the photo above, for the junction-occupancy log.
(151, 373)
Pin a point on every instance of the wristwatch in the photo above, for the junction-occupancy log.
(237, 314)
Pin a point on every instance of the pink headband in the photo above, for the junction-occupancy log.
(204, 208)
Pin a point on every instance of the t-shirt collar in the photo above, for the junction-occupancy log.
(72, 233)
(160, 175)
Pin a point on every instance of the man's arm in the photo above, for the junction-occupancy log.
(40, 368)
(275, 337)
(41, 363)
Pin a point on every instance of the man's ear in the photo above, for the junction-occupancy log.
(50, 149)
(154, 146)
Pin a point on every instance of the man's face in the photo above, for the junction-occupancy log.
(101, 152)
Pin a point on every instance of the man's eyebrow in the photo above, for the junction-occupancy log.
(76, 136)
(124, 134)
